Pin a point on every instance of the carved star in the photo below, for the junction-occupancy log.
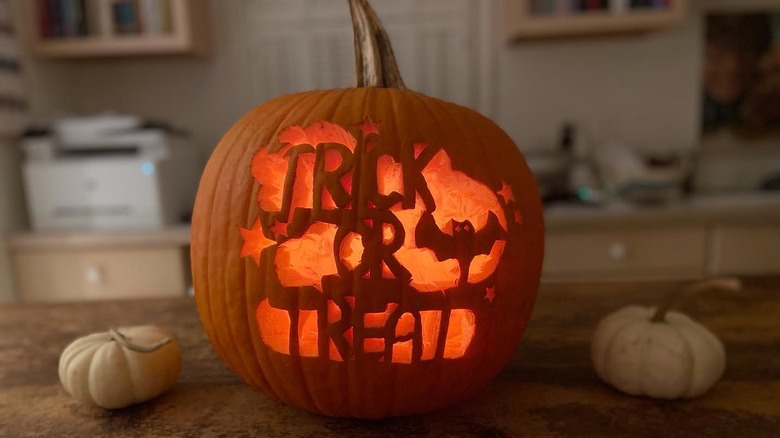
(506, 192)
(254, 241)
(368, 127)
(279, 228)
(490, 293)
(418, 149)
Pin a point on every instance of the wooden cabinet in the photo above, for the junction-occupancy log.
(729, 235)
(663, 252)
(101, 265)
(100, 274)
(187, 32)
(741, 249)
(549, 19)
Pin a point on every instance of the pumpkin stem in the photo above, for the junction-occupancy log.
(375, 63)
(124, 342)
(730, 284)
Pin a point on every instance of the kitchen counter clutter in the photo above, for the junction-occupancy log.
(549, 388)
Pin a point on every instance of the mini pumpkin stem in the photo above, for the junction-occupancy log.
(375, 63)
(730, 284)
(124, 342)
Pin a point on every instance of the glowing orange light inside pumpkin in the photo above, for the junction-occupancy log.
(304, 260)
(274, 327)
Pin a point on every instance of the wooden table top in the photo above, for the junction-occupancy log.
(548, 389)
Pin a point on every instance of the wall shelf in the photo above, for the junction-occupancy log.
(188, 34)
(521, 23)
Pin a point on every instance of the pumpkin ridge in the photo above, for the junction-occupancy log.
(363, 95)
(608, 351)
(355, 370)
(135, 383)
(204, 299)
(467, 130)
(86, 353)
(521, 185)
(227, 299)
(338, 97)
(424, 102)
(307, 105)
(83, 344)
(687, 352)
(290, 104)
(255, 378)
(102, 352)
(346, 368)
(714, 346)
(692, 362)
(612, 325)
(400, 99)
(371, 97)
(437, 109)
(247, 140)
(390, 405)
(331, 99)
(217, 271)
(75, 349)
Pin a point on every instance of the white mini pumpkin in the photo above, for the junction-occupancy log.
(120, 367)
(658, 353)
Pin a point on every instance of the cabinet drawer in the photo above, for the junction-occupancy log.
(746, 250)
(667, 252)
(100, 274)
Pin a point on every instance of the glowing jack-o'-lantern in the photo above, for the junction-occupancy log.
(366, 252)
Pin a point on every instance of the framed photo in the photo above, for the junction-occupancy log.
(740, 142)
(741, 74)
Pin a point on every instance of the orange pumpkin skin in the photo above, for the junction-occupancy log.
(237, 282)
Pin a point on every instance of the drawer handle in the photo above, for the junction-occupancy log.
(94, 275)
(618, 251)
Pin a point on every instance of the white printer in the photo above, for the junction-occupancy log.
(108, 172)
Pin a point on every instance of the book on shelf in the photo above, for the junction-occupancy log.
(155, 16)
(100, 20)
(650, 4)
(566, 7)
(126, 17)
(76, 18)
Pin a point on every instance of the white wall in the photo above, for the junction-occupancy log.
(642, 90)
(203, 96)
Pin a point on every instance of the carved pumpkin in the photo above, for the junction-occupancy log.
(366, 252)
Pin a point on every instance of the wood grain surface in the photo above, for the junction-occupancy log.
(548, 389)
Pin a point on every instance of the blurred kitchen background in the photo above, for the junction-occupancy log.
(653, 126)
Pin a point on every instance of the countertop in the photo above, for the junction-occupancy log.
(752, 208)
(548, 389)
(175, 235)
